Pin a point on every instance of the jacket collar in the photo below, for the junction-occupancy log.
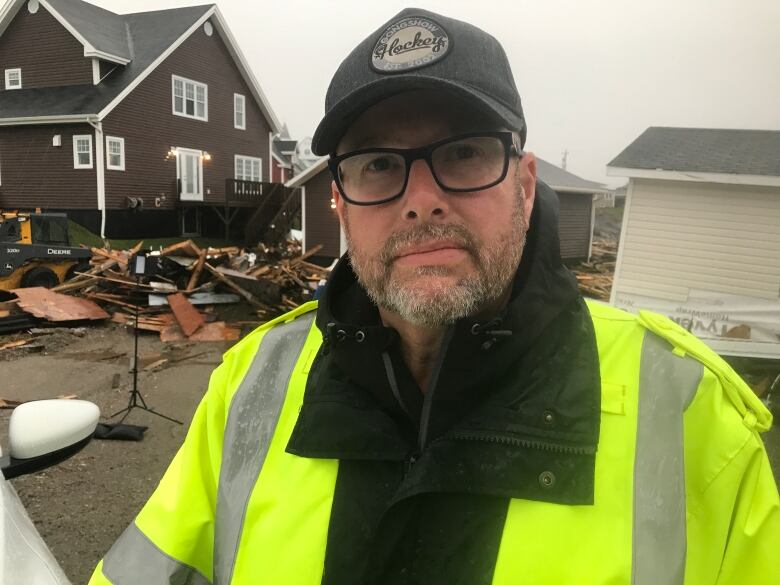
(523, 388)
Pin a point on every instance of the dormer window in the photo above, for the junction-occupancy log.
(13, 79)
(190, 98)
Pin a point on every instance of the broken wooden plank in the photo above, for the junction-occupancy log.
(217, 331)
(229, 283)
(163, 287)
(111, 300)
(14, 344)
(145, 323)
(52, 306)
(187, 316)
(10, 404)
(312, 251)
(154, 365)
(184, 248)
(193, 282)
(198, 298)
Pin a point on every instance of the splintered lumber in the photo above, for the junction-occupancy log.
(157, 324)
(185, 248)
(155, 365)
(216, 331)
(84, 279)
(52, 306)
(594, 278)
(229, 283)
(187, 316)
(312, 251)
(193, 282)
(14, 344)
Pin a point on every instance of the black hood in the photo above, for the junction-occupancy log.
(531, 373)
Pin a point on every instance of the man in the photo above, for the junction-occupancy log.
(453, 411)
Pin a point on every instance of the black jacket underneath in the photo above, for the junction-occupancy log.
(425, 480)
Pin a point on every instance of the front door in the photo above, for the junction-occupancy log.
(189, 172)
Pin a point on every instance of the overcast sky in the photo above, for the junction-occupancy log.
(592, 74)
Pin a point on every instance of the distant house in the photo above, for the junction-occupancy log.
(320, 223)
(576, 197)
(701, 234)
(134, 124)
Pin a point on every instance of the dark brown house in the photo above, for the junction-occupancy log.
(320, 223)
(136, 124)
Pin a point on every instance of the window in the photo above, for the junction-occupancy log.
(115, 153)
(190, 99)
(82, 151)
(13, 79)
(239, 108)
(248, 168)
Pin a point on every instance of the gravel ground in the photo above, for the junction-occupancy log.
(81, 506)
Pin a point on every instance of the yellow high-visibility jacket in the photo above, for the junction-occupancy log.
(684, 494)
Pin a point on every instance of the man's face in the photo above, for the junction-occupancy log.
(433, 256)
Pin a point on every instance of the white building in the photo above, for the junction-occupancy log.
(701, 234)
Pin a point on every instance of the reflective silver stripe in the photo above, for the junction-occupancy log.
(254, 412)
(136, 560)
(667, 385)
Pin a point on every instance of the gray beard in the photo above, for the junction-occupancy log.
(447, 303)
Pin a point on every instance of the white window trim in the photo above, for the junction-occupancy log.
(184, 80)
(236, 99)
(121, 141)
(199, 153)
(76, 138)
(8, 73)
(248, 158)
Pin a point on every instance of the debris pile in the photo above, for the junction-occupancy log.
(176, 294)
(594, 277)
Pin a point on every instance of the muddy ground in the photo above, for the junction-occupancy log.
(82, 505)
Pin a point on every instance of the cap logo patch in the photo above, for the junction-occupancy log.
(409, 43)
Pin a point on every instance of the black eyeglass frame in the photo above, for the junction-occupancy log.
(511, 147)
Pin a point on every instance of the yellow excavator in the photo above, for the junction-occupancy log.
(35, 250)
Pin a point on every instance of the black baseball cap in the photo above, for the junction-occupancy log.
(418, 49)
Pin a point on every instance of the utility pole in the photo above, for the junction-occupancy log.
(564, 158)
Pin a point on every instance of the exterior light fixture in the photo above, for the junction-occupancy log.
(206, 155)
(332, 203)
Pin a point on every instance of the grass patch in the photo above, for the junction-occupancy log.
(81, 236)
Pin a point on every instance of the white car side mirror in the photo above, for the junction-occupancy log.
(44, 432)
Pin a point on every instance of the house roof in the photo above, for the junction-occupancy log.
(149, 37)
(283, 149)
(103, 30)
(564, 181)
(705, 150)
(312, 171)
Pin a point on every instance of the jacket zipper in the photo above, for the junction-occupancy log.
(527, 443)
(432, 384)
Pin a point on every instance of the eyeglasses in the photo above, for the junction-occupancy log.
(469, 162)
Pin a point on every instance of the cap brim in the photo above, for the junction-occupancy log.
(338, 119)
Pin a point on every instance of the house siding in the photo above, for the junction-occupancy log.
(322, 223)
(574, 225)
(682, 236)
(48, 55)
(33, 173)
(146, 121)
